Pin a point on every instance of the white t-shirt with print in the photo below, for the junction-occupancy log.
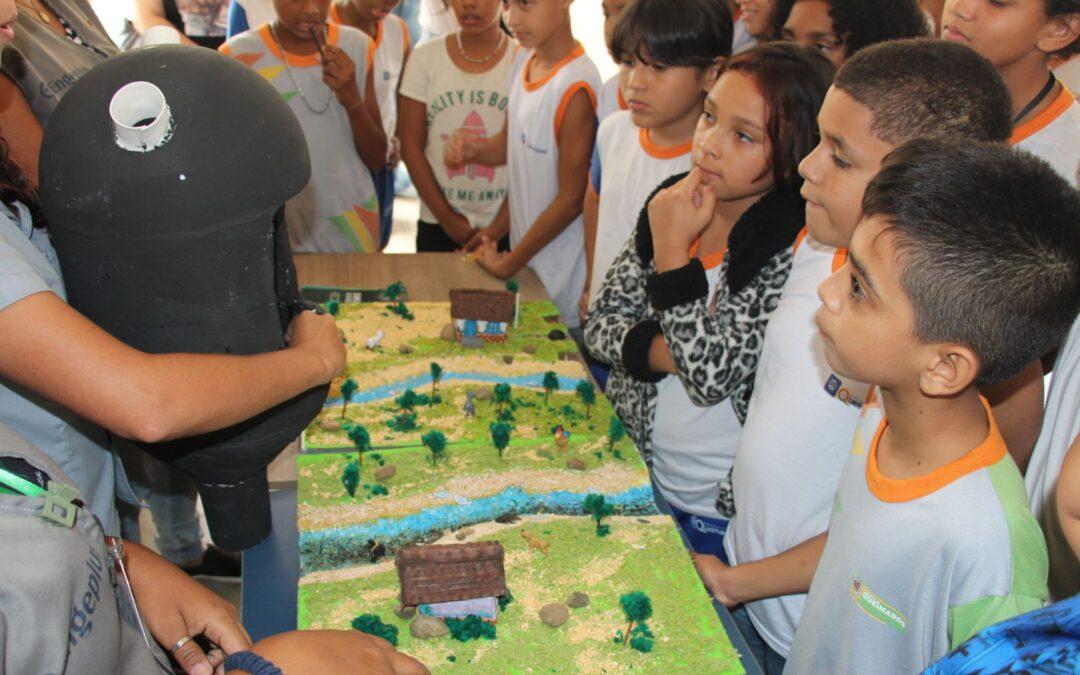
(475, 103)
(795, 439)
(693, 446)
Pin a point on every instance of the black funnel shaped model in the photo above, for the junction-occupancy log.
(163, 175)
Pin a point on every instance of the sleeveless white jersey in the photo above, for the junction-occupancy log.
(391, 43)
(631, 166)
(611, 99)
(535, 115)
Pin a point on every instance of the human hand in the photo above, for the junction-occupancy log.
(477, 238)
(718, 578)
(494, 261)
(677, 217)
(660, 360)
(339, 73)
(319, 335)
(175, 606)
(457, 227)
(460, 149)
(335, 652)
(583, 304)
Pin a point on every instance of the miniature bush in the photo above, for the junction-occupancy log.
(638, 608)
(348, 388)
(505, 600)
(350, 477)
(471, 627)
(551, 383)
(373, 625)
(596, 506)
(587, 393)
(435, 441)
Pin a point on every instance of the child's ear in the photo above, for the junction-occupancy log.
(951, 369)
(712, 73)
(1059, 33)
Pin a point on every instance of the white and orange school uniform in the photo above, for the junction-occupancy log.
(630, 166)
(795, 439)
(337, 212)
(611, 99)
(535, 116)
(1054, 135)
(391, 44)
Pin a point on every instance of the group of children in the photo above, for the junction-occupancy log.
(825, 286)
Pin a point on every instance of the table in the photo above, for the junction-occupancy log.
(271, 569)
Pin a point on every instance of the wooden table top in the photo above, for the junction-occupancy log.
(428, 276)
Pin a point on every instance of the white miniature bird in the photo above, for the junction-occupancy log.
(374, 340)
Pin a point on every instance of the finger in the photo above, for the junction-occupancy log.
(192, 659)
(708, 199)
(226, 631)
(216, 657)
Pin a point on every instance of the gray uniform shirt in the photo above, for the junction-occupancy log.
(28, 265)
(62, 608)
(44, 64)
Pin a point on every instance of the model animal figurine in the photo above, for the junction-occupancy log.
(374, 340)
(562, 437)
(469, 409)
(535, 542)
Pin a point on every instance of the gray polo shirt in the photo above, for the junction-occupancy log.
(28, 265)
(63, 609)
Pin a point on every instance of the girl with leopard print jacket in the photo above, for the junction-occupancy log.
(684, 343)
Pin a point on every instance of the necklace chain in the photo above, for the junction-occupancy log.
(482, 59)
(292, 79)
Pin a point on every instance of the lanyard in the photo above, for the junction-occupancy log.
(20, 484)
(1034, 103)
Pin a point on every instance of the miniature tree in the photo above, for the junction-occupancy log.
(350, 477)
(373, 625)
(348, 388)
(333, 307)
(361, 440)
(551, 383)
(435, 441)
(513, 287)
(638, 608)
(596, 506)
(395, 291)
(407, 401)
(502, 395)
(436, 377)
(587, 394)
(500, 436)
(616, 432)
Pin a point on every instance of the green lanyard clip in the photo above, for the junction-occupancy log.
(59, 504)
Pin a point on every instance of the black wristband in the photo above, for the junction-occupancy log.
(635, 351)
(678, 286)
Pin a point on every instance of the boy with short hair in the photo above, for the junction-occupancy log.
(786, 472)
(1020, 38)
(964, 268)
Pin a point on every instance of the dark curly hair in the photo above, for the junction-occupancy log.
(860, 23)
(14, 187)
(1064, 8)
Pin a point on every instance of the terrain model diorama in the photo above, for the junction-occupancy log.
(469, 496)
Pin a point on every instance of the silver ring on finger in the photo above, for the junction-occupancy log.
(180, 643)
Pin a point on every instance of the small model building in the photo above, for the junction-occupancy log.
(481, 314)
(447, 573)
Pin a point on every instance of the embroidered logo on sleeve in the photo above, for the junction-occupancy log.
(878, 610)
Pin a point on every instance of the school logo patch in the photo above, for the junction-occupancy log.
(834, 387)
(876, 608)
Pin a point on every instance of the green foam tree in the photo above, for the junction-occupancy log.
(637, 607)
(500, 436)
(348, 388)
(587, 394)
(395, 291)
(436, 377)
(502, 396)
(361, 440)
(435, 442)
(551, 383)
(596, 506)
(407, 401)
(616, 432)
(350, 477)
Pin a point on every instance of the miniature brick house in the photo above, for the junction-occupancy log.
(448, 573)
(480, 313)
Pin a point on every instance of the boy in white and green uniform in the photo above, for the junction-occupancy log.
(964, 268)
(913, 568)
